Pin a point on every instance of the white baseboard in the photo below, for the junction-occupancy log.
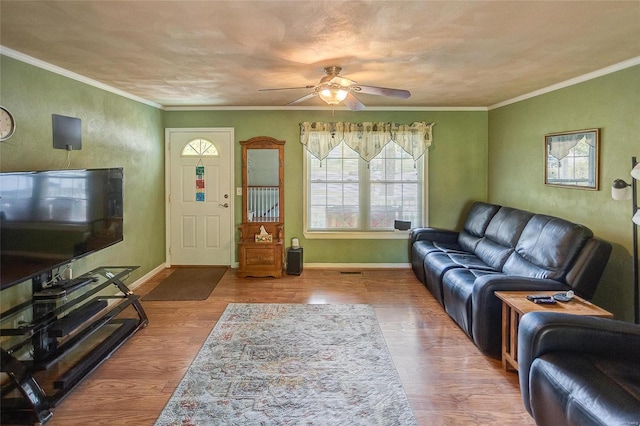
(349, 265)
(137, 283)
(356, 265)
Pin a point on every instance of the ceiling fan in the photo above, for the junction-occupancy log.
(334, 89)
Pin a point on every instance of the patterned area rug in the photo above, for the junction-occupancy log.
(289, 364)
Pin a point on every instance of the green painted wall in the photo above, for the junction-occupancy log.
(475, 155)
(121, 132)
(116, 132)
(457, 169)
(516, 160)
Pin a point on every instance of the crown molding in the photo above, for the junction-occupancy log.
(313, 108)
(571, 82)
(74, 76)
(66, 73)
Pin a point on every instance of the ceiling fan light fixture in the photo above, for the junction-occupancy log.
(334, 89)
(333, 95)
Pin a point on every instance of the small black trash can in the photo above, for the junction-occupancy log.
(294, 261)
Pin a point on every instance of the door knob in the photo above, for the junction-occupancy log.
(225, 205)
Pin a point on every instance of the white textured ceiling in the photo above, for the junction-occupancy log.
(219, 53)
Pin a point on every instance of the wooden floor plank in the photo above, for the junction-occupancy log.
(447, 379)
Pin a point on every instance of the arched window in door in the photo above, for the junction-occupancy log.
(200, 148)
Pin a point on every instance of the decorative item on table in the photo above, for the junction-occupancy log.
(263, 236)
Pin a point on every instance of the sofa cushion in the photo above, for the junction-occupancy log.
(476, 224)
(423, 247)
(448, 247)
(546, 248)
(469, 261)
(584, 390)
(501, 236)
(457, 291)
(417, 259)
(437, 263)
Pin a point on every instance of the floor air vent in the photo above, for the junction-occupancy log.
(350, 273)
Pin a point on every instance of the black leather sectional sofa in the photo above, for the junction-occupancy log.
(577, 370)
(502, 248)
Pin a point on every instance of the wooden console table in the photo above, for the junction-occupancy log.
(515, 304)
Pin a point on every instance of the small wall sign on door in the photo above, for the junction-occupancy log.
(200, 183)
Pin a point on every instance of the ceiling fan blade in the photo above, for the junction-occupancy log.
(302, 99)
(383, 91)
(353, 103)
(287, 88)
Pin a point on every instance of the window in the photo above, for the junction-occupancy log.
(200, 147)
(345, 193)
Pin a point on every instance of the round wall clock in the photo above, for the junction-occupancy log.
(7, 124)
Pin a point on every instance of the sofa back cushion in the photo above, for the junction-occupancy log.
(476, 224)
(501, 236)
(547, 247)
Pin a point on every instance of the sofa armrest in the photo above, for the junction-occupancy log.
(586, 271)
(487, 308)
(433, 234)
(544, 332)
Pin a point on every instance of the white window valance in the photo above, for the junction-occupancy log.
(367, 139)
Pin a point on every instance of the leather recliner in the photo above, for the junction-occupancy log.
(577, 370)
(503, 249)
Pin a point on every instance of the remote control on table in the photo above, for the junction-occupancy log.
(542, 299)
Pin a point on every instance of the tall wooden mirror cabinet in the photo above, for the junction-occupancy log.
(261, 242)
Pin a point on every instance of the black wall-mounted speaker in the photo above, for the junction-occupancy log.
(294, 261)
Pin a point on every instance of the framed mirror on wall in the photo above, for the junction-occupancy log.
(572, 159)
(263, 185)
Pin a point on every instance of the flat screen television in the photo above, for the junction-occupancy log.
(50, 218)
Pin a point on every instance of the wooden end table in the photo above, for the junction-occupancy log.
(515, 304)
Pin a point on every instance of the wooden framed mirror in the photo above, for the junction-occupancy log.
(261, 245)
(262, 195)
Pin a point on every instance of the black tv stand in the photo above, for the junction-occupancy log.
(52, 342)
(74, 283)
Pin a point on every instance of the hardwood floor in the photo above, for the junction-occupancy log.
(447, 379)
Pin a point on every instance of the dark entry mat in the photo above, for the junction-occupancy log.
(194, 283)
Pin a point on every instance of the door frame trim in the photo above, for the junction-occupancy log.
(167, 186)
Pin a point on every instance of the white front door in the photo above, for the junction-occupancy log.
(200, 201)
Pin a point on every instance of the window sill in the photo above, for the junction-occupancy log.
(380, 235)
